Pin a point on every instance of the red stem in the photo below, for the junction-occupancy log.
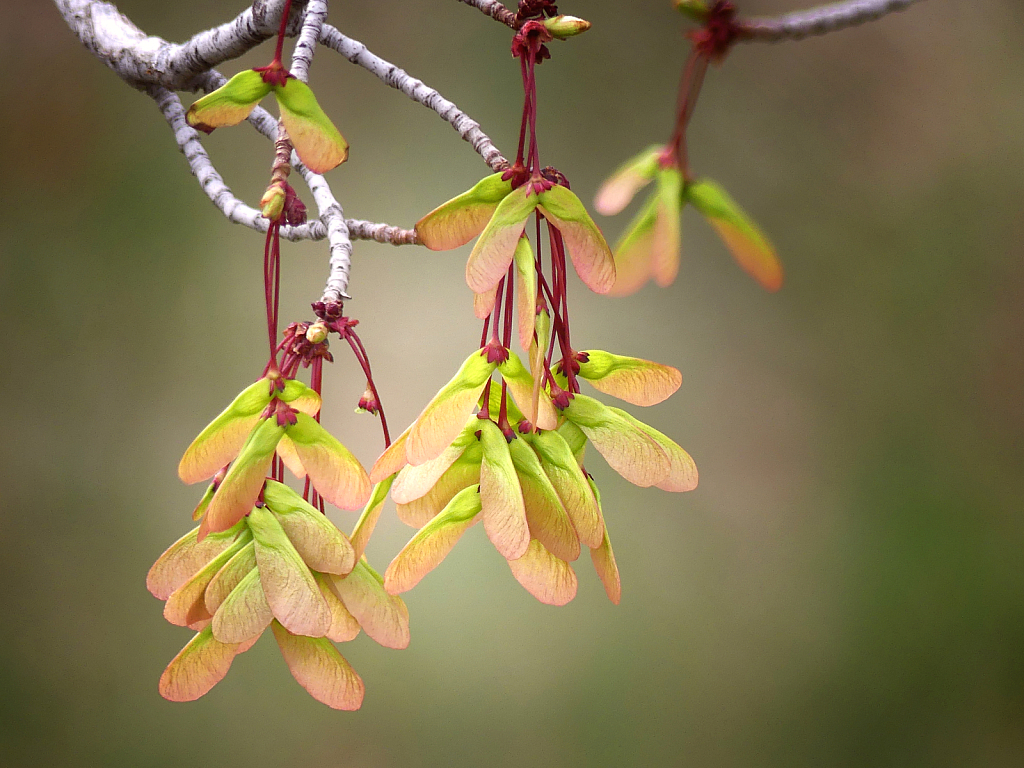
(364, 361)
(280, 34)
(689, 91)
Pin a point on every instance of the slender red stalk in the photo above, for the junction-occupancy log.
(280, 34)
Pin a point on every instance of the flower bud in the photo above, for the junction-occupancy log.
(272, 202)
(564, 27)
(317, 332)
(368, 402)
(697, 10)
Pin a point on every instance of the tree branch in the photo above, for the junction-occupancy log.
(416, 90)
(234, 209)
(819, 21)
(143, 60)
(305, 46)
(151, 64)
(495, 10)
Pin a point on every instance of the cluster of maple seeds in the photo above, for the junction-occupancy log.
(511, 455)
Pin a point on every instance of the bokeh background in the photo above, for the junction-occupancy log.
(845, 587)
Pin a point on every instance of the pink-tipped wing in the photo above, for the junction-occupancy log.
(526, 292)
(629, 450)
(415, 482)
(462, 474)
(445, 416)
(617, 192)
(245, 612)
(227, 578)
(223, 438)
(383, 617)
(548, 521)
(317, 540)
(634, 252)
(665, 244)
(504, 512)
(244, 481)
(604, 559)
(344, 626)
(682, 475)
(432, 544)
(462, 218)
(197, 668)
(230, 104)
(183, 559)
(289, 586)
(636, 381)
(187, 604)
(570, 483)
(550, 580)
(741, 235)
(493, 252)
(318, 667)
(335, 473)
(587, 247)
(317, 142)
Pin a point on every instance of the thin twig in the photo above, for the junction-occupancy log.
(209, 179)
(234, 209)
(467, 128)
(305, 46)
(495, 10)
(143, 60)
(819, 21)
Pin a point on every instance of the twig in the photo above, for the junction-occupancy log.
(467, 128)
(151, 64)
(234, 209)
(209, 179)
(143, 60)
(305, 46)
(495, 10)
(819, 21)
(381, 233)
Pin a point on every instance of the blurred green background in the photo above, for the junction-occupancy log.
(845, 587)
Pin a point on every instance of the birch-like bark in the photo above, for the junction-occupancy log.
(820, 21)
(495, 10)
(312, 25)
(419, 92)
(143, 60)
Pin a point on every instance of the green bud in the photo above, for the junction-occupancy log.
(564, 27)
(696, 9)
(272, 202)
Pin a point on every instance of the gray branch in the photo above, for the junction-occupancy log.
(305, 46)
(143, 60)
(158, 68)
(416, 90)
(187, 139)
(819, 21)
(495, 10)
